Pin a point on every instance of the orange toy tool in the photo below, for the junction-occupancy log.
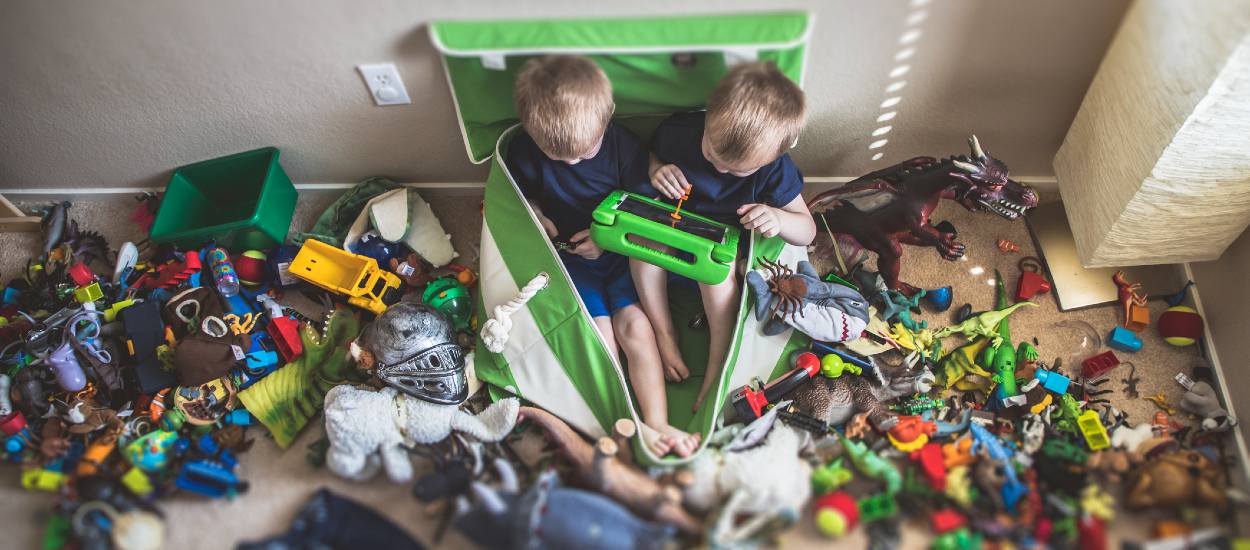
(676, 214)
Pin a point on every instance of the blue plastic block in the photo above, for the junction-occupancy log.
(1123, 339)
(1053, 381)
(10, 295)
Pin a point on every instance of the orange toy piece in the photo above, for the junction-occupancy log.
(911, 433)
(958, 453)
(1136, 313)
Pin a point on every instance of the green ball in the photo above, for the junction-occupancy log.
(832, 366)
(831, 522)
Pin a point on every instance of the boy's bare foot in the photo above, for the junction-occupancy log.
(675, 369)
(684, 444)
(658, 443)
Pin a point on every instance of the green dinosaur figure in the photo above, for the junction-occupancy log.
(898, 305)
(872, 465)
(985, 324)
(286, 399)
(828, 478)
(1001, 359)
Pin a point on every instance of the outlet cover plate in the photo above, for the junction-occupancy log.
(385, 85)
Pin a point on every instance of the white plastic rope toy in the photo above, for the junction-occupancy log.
(495, 330)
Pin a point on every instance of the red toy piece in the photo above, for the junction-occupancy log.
(946, 520)
(1136, 314)
(173, 273)
(81, 274)
(1098, 365)
(931, 464)
(1093, 533)
(1031, 282)
(285, 334)
(13, 423)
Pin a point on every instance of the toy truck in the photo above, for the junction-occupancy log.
(358, 277)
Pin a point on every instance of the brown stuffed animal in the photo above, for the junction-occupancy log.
(1112, 463)
(1177, 479)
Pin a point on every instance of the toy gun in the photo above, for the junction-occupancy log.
(749, 403)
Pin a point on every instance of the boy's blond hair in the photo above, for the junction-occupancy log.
(564, 102)
(755, 111)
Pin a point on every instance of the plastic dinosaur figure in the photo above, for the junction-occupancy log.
(885, 209)
(285, 400)
(896, 305)
(828, 478)
(985, 324)
(983, 440)
(960, 370)
(872, 465)
(1128, 296)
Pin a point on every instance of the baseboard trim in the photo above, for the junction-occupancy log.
(1213, 357)
(31, 194)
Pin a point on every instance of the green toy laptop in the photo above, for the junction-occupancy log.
(710, 247)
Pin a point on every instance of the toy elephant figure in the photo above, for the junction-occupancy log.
(368, 429)
(826, 311)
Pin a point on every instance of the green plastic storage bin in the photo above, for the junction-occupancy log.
(243, 201)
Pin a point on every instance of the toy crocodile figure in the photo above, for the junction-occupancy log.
(985, 324)
(885, 209)
(287, 399)
(872, 465)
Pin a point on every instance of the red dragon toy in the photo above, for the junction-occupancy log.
(886, 209)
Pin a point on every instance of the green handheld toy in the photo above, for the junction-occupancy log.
(713, 246)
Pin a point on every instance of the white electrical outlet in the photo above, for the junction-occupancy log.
(384, 83)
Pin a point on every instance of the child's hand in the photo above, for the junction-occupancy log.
(548, 226)
(669, 181)
(761, 218)
(585, 246)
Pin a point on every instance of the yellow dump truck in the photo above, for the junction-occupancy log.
(337, 270)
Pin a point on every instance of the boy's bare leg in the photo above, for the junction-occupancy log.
(720, 302)
(651, 282)
(634, 332)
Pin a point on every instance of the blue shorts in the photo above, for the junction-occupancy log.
(604, 284)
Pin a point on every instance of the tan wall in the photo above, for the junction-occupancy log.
(1226, 302)
(117, 92)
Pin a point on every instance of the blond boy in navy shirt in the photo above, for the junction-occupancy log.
(732, 159)
(569, 158)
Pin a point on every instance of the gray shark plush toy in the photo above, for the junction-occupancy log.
(826, 311)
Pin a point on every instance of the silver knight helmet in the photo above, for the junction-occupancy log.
(415, 351)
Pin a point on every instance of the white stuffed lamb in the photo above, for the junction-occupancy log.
(368, 429)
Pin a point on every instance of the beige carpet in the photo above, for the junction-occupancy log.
(281, 481)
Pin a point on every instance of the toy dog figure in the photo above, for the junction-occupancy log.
(888, 208)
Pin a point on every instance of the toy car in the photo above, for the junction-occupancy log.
(336, 270)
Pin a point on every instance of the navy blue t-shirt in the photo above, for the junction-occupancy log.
(679, 140)
(568, 193)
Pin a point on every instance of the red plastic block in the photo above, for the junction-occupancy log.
(1098, 365)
